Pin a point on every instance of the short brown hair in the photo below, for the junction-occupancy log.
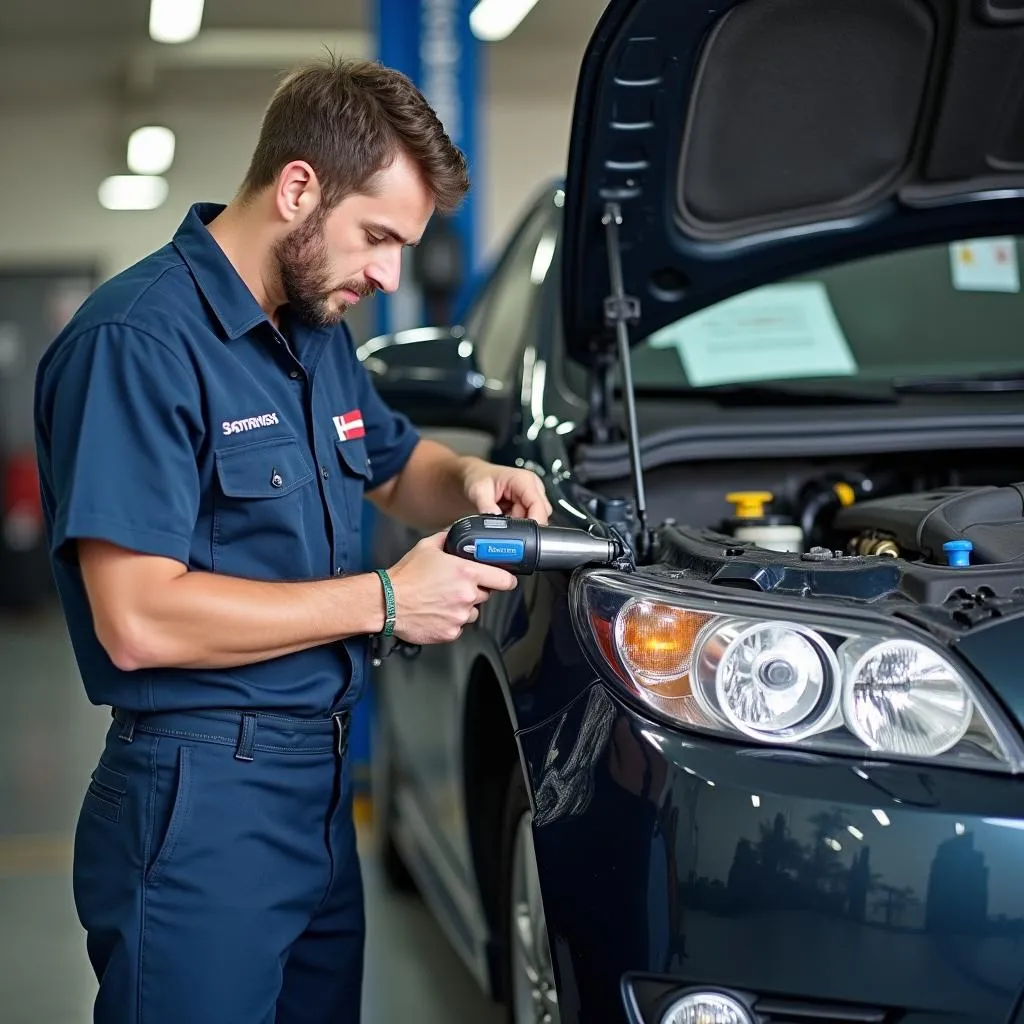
(349, 119)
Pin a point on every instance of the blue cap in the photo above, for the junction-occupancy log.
(958, 553)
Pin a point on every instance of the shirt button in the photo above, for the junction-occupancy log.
(276, 480)
(323, 472)
(338, 571)
(294, 374)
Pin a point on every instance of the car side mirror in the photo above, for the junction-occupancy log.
(432, 375)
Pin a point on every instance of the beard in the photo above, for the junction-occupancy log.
(303, 267)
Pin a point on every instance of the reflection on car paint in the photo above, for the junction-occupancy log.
(566, 789)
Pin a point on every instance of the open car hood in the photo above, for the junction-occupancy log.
(745, 141)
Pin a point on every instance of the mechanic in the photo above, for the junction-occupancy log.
(205, 437)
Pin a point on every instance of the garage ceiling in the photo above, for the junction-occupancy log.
(71, 48)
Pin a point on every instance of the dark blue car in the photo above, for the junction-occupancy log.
(767, 338)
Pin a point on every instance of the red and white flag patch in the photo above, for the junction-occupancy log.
(350, 425)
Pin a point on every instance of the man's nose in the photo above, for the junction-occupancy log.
(386, 271)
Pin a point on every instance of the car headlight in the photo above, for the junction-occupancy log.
(739, 668)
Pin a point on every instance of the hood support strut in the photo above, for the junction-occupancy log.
(619, 311)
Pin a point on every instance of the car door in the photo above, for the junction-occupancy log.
(431, 730)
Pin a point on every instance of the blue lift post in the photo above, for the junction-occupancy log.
(431, 42)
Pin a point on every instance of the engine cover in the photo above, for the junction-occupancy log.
(991, 518)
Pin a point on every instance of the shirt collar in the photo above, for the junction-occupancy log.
(229, 296)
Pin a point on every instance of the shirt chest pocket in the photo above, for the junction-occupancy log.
(264, 510)
(354, 464)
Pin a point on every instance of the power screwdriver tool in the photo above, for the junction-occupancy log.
(522, 547)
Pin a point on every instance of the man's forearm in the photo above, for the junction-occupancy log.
(428, 492)
(210, 621)
(205, 620)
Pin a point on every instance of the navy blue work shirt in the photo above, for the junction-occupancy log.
(173, 419)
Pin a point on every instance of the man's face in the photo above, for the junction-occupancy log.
(328, 263)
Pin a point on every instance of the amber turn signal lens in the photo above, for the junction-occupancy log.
(656, 640)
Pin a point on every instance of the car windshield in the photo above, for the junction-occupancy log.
(946, 310)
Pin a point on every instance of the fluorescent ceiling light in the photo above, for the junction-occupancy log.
(132, 192)
(150, 150)
(175, 21)
(492, 20)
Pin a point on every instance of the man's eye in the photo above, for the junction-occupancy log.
(373, 240)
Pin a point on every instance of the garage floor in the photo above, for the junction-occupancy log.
(49, 739)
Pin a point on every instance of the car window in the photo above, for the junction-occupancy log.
(936, 310)
(498, 323)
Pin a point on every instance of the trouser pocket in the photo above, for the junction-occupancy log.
(108, 846)
(105, 794)
(172, 811)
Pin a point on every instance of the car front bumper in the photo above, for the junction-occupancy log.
(816, 888)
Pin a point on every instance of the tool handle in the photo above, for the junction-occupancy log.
(511, 544)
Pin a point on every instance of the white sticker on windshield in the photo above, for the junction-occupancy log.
(778, 332)
(985, 265)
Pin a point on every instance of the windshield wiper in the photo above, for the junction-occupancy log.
(1007, 380)
(773, 394)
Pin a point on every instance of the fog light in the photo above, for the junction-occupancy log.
(706, 1008)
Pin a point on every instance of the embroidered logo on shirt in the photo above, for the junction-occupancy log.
(350, 425)
(268, 419)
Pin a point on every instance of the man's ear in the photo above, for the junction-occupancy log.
(298, 192)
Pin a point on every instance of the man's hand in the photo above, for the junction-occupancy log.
(436, 487)
(504, 490)
(437, 594)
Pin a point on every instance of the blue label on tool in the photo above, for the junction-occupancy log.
(500, 550)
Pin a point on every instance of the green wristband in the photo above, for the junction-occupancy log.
(389, 602)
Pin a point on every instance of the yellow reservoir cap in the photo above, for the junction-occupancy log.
(845, 493)
(749, 504)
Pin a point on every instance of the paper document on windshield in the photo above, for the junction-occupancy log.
(778, 332)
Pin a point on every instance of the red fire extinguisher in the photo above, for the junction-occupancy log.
(22, 507)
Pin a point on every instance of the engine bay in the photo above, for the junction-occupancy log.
(980, 525)
(928, 528)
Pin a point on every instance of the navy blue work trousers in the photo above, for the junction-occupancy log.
(216, 873)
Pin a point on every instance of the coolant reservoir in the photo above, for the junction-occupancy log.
(750, 522)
